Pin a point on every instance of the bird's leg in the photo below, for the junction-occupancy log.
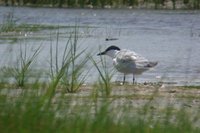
(133, 79)
(124, 79)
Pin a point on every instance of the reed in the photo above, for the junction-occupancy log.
(105, 76)
(158, 4)
(22, 68)
(9, 23)
(68, 71)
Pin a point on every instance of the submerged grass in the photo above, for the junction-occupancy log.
(9, 23)
(10, 26)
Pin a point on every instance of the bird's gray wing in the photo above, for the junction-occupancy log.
(133, 58)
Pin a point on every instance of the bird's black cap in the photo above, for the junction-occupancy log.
(108, 49)
(112, 48)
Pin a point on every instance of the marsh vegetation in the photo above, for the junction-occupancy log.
(64, 104)
(61, 101)
(156, 4)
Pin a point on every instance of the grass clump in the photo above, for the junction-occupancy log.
(21, 70)
(9, 23)
(67, 72)
(104, 82)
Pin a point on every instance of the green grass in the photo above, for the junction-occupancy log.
(22, 68)
(29, 112)
(192, 86)
(9, 23)
(67, 72)
(158, 4)
(104, 83)
(10, 27)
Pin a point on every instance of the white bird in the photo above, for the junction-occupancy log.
(128, 62)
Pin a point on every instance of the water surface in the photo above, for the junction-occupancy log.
(170, 37)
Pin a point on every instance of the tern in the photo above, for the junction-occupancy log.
(128, 62)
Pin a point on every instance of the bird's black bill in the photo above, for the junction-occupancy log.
(102, 53)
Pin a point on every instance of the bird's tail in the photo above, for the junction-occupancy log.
(152, 64)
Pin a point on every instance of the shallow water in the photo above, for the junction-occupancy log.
(170, 37)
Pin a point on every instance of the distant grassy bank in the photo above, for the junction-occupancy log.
(152, 4)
